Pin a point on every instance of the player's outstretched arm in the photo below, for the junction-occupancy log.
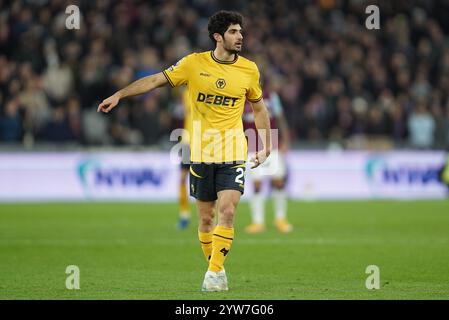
(262, 121)
(137, 87)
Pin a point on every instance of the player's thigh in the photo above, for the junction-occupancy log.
(202, 182)
(230, 177)
(227, 204)
(206, 208)
(228, 199)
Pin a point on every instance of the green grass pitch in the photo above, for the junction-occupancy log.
(133, 251)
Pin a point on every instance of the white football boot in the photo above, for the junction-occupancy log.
(223, 280)
(215, 281)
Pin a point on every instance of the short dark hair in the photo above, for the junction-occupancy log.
(220, 21)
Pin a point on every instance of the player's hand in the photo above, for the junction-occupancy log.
(259, 158)
(109, 103)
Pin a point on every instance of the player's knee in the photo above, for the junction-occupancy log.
(227, 211)
(257, 186)
(206, 221)
(278, 184)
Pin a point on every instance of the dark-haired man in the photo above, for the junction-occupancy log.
(219, 82)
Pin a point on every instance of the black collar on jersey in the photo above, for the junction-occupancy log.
(221, 61)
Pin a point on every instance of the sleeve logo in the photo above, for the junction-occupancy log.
(175, 65)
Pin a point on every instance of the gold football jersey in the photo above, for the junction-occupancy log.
(217, 91)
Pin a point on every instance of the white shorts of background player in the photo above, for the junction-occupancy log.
(273, 168)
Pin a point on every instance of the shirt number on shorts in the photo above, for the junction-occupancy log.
(238, 179)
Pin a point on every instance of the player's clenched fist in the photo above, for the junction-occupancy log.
(109, 103)
(259, 158)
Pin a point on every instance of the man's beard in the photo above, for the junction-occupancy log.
(231, 50)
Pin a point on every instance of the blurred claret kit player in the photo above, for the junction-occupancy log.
(274, 168)
(219, 82)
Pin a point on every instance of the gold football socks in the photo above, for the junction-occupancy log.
(206, 243)
(221, 244)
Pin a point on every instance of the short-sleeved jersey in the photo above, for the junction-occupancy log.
(217, 93)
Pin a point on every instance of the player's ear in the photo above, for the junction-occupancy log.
(218, 37)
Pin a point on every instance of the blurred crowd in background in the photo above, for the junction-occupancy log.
(339, 82)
